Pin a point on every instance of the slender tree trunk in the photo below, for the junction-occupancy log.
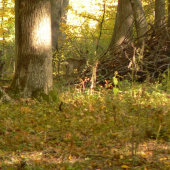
(159, 13)
(169, 13)
(123, 25)
(33, 48)
(168, 43)
(58, 14)
(140, 19)
(16, 30)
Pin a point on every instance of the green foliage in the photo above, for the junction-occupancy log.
(84, 26)
(54, 95)
(7, 29)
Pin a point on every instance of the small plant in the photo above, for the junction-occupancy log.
(115, 82)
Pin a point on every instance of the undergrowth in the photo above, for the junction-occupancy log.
(88, 130)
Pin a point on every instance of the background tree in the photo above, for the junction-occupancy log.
(168, 13)
(33, 72)
(123, 30)
(123, 25)
(139, 16)
(58, 15)
(159, 13)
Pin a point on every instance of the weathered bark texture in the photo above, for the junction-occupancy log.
(58, 14)
(159, 14)
(139, 16)
(124, 24)
(168, 13)
(33, 48)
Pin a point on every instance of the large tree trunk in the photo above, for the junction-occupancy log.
(58, 14)
(159, 14)
(140, 19)
(33, 72)
(124, 24)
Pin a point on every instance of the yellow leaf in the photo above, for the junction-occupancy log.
(22, 156)
(70, 157)
(163, 159)
(114, 134)
(121, 156)
(167, 163)
(25, 109)
(125, 166)
(48, 126)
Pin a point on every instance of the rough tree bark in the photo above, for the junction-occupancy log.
(58, 14)
(33, 72)
(159, 14)
(139, 16)
(123, 25)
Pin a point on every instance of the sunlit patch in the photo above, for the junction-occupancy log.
(41, 34)
(80, 7)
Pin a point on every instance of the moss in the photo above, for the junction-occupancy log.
(40, 95)
(54, 95)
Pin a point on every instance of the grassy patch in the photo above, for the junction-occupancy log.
(96, 130)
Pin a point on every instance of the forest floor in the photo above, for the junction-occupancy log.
(89, 130)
